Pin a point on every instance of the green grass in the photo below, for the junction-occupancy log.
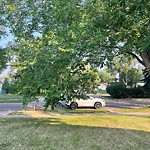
(75, 133)
(10, 98)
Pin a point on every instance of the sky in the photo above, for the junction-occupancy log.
(4, 40)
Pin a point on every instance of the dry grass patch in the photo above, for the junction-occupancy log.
(65, 112)
(121, 122)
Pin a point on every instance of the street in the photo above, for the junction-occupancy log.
(8, 107)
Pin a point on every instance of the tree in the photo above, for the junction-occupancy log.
(48, 64)
(124, 68)
(86, 32)
(131, 78)
(105, 76)
(90, 26)
(128, 28)
(57, 77)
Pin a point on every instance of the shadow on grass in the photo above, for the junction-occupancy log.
(54, 133)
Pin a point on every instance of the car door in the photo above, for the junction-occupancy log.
(85, 103)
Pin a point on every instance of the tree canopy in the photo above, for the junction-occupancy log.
(97, 29)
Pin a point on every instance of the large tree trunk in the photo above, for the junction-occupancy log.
(146, 60)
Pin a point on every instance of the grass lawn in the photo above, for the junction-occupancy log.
(10, 98)
(75, 133)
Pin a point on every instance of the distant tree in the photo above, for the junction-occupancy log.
(131, 78)
(105, 76)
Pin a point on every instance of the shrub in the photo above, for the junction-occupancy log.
(117, 90)
(146, 93)
(137, 92)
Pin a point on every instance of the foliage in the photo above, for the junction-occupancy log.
(3, 58)
(60, 79)
(57, 39)
(5, 86)
(105, 76)
(124, 67)
(131, 78)
(121, 64)
(9, 87)
(129, 25)
(137, 92)
(117, 90)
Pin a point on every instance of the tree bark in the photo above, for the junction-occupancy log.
(146, 60)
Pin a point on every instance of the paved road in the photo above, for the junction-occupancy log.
(127, 103)
(10, 106)
(6, 108)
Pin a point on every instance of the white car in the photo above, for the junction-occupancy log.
(91, 102)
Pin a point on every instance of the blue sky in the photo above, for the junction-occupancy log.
(4, 40)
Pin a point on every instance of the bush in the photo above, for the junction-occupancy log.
(117, 90)
(146, 93)
(136, 92)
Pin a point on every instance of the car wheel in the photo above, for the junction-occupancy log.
(73, 105)
(97, 105)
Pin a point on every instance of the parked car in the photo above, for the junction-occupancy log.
(91, 102)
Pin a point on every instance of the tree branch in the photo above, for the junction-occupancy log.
(138, 59)
(130, 53)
